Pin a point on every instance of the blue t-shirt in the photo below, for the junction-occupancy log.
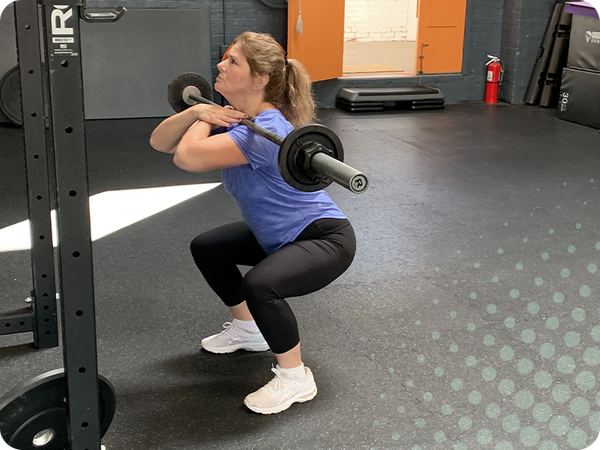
(275, 212)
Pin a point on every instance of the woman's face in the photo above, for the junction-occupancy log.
(234, 73)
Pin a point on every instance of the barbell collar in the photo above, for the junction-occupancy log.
(344, 175)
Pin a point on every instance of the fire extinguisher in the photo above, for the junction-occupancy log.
(495, 71)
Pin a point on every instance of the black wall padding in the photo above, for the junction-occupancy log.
(580, 97)
(538, 75)
(584, 44)
(558, 60)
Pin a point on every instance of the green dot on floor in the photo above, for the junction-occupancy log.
(495, 279)
(477, 265)
(543, 379)
(552, 323)
(524, 399)
(460, 447)
(440, 436)
(551, 231)
(439, 371)
(566, 365)
(453, 314)
(525, 366)
(571, 249)
(475, 398)
(578, 226)
(504, 445)
(595, 422)
(421, 358)
(591, 356)
(539, 281)
(435, 335)
(529, 436)
(428, 396)
(580, 407)
(484, 436)
(596, 333)
(547, 350)
(592, 268)
(507, 353)
(585, 381)
(525, 240)
(395, 436)
(473, 295)
(542, 412)
(577, 438)
(488, 374)
(565, 273)
(457, 384)
(511, 423)
(420, 423)
(500, 251)
(506, 387)
(572, 339)
(561, 393)
(471, 361)
(454, 348)
(578, 315)
(585, 291)
(533, 308)
(528, 336)
(519, 266)
(545, 256)
(401, 409)
(435, 301)
(446, 410)
(493, 410)
(559, 297)
(465, 423)
(471, 327)
(510, 322)
(489, 340)
(491, 309)
(514, 293)
(560, 425)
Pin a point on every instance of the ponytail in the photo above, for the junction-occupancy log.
(289, 88)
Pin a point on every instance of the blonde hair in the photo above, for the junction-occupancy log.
(289, 88)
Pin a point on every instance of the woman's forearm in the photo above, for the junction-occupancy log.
(167, 135)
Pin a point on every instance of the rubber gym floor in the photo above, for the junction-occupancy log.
(469, 319)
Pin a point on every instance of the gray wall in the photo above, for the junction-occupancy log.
(511, 29)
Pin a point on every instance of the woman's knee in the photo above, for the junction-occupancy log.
(257, 291)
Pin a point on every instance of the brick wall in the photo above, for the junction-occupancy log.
(379, 20)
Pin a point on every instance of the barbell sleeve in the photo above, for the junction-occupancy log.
(344, 175)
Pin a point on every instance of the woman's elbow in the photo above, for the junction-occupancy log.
(185, 161)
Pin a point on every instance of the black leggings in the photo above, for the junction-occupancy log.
(322, 252)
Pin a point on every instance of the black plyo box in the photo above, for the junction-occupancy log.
(584, 43)
(579, 99)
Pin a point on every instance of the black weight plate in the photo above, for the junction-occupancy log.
(10, 96)
(176, 87)
(39, 405)
(291, 157)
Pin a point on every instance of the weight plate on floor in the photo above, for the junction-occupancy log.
(33, 415)
(291, 156)
(176, 87)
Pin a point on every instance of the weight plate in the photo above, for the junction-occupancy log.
(34, 414)
(176, 87)
(291, 156)
(10, 96)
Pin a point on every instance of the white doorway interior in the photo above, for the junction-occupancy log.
(380, 37)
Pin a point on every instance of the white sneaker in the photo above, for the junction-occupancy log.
(233, 338)
(280, 393)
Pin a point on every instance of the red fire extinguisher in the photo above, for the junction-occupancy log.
(494, 79)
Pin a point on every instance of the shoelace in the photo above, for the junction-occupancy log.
(230, 327)
(276, 383)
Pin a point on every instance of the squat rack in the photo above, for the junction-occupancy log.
(86, 405)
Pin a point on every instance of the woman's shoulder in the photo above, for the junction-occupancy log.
(273, 118)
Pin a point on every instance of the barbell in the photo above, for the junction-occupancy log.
(310, 157)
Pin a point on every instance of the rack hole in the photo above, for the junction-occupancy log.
(36, 156)
(41, 237)
(27, 27)
(22, 323)
(45, 294)
(69, 130)
(76, 254)
(72, 193)
(44, 275)
(46, 307)
(48, 332)
(64, 63)
(7, 325)
(82, 370)
(85, 425)
(30, 71)
(79, 313)
(46, 320)
(39, 197)
(33, 114)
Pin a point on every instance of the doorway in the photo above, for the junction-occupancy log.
(380, 37)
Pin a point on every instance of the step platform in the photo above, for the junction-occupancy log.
(379, 99)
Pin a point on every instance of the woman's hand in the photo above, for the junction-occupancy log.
(218, 115)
